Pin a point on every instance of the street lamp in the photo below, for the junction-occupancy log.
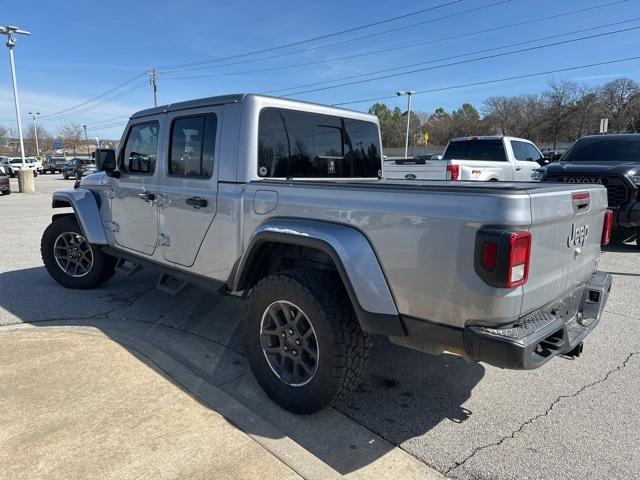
(409, 94)
(35, 130)
(9, 31)
(86, 139)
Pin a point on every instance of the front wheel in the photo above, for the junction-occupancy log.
(302, 339)
(70, 259)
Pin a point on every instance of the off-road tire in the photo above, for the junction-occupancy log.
(343, 348)
(103, 266)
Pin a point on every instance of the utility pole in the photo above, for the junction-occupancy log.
(35, 130)
(153, 81)
(86, 139)
(9, 31)
(409, 94)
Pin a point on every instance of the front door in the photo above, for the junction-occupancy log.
(134, 195)
(525, 156)
(188, 184)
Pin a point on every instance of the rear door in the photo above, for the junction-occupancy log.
(189, 186)
(566, 232)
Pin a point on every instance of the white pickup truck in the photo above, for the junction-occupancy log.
(494, 158)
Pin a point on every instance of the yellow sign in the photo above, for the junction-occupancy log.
(426, 138)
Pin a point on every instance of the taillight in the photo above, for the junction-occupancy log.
(453, 172)
(607, 227)
(489, 256)
(518, 269)
(502, 257)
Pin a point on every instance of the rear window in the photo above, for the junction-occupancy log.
(604, 149)
(294, 144)
(476, 149)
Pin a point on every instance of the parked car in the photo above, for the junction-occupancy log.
(284, 200)
(5, 185)
(474, 158)
(12, 165)
(609, 160)
(38, 163)
(78, 168)
(553, 155)
(54, 164)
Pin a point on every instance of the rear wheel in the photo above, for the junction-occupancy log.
(302, 338)
(6, 192)
(70, 259)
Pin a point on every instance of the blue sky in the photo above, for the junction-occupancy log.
(81, 49)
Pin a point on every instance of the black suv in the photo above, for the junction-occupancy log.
(78, 168)
(609, 160)
(53, 164)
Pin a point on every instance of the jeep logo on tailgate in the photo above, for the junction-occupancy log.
(578, 235)
(595, 180)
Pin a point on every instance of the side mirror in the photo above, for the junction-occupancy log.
(106, 161)
(543, 161)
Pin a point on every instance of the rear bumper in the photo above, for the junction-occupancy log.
(555, 329)
(545, 333)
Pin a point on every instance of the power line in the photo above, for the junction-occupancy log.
(93, 107)
(401, 47)
(132, 79)
(392, 75)
(497, 80)
(431, 20)
(349, 40)
(319, 37)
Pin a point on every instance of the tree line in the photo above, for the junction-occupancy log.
(563, 112)
(69, 134)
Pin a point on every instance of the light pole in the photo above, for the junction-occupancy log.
(35, 130)
(9, 31)
(409, 94)
(86, 139)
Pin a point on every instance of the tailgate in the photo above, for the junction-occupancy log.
(420, 170)
(566, 230)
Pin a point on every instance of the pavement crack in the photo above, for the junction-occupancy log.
(546, 413)
(622, 314)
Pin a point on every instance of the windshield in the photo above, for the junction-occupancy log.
(476, 149)
(16, 161)
(85, 162)
(604, 149)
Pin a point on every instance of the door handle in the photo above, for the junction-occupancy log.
(518, 168)
(147, 196)
(196, 202)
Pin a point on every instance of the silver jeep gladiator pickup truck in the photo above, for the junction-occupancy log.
(285, 202)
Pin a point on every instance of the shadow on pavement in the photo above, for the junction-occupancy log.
(403, 394)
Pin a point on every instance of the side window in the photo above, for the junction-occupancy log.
(532, 152)
(520, 151)
(141, 149)
(193, 141)
(295, 144)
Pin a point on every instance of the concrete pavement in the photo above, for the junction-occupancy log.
(79, 405)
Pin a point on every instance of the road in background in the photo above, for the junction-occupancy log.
(568, 419)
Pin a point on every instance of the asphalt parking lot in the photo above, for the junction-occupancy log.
(568, 419)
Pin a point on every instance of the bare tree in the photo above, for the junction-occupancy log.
(621, 102)
(71, 134)
(559, 98)
(585, 112)
(498, 111)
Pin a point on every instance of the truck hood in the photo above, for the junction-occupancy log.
(602, 168)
